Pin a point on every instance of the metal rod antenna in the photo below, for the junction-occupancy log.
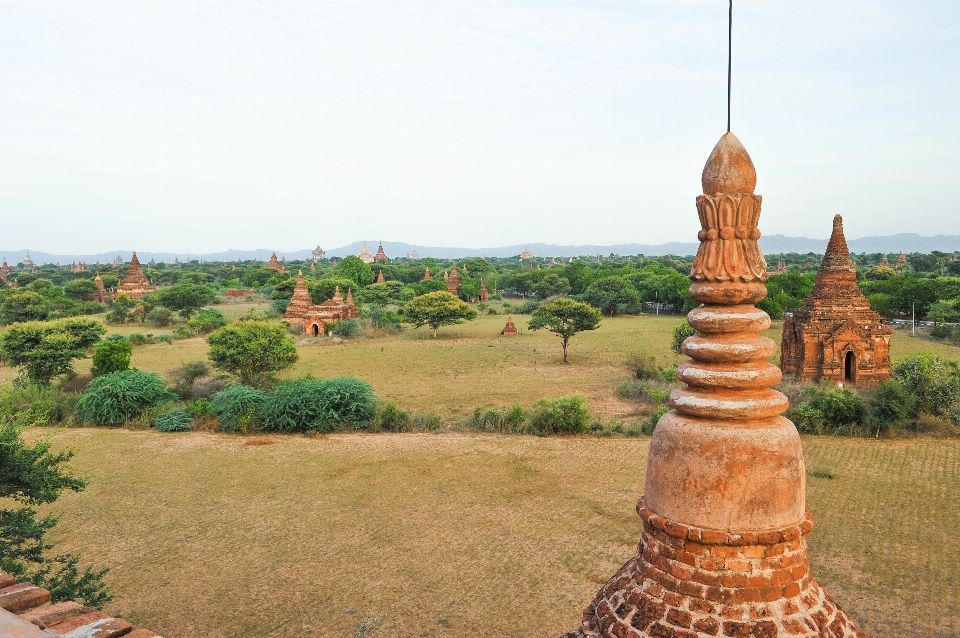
(729, 60)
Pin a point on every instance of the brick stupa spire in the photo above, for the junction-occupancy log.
(380, 278)
(723, 548)
(301, 301)
(835, 334)
(380, 257)
(426, 274)
(135, 284)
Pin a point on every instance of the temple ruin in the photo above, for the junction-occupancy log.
(274, 264)
(315, 317)
(380, 257)
(380, 278)
(834, 334)
(723, 547)
(453, 281)
(135, 284)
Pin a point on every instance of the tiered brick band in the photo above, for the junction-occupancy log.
(687, 582)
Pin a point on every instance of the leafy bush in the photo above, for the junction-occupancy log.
(119, 396)
(167, 339)
(175, 420)
(111, 356)
(935, 382)
(527, 308)
(199, 408)
(382, 318)
(139, 339)
(839, 406)
(654, 418)
(652, 391)
(390, 418)
(347, 329)
(564, 415)
(680, 333)
(508, 420)
(182, 332)
(206, 321)
(427, 421)
(160, 317)
(190, 371)
(890, 405)
(237, 406)
(643, 366)
(317, 404)
(37, 405)
(808, 419)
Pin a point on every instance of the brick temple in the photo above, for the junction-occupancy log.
(315, 317)
(453, 281)
(723, 549)
(274, 264)
(834, 334)
(135, 284)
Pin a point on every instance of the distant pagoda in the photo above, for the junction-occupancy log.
(365, 255)
(380, 257)
(274, 264)
(135, 284)
(453, 281)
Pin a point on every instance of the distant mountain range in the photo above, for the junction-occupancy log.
(771, 245)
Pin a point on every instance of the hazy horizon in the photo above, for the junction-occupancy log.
(202, 126)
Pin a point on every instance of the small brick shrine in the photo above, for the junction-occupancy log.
(834, 334)
(380, 257)
(510, 330)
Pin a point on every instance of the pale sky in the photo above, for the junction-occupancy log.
(200, 126)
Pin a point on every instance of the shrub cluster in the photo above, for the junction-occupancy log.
(563, 415)
(120, 396)
(923, 393)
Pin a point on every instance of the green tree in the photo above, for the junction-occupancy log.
(110, 356)
(250, 350)
(47, 350)
(680, 333)
(437, 309)
(353, 268)
(24, 305)
(184, 298)
(945, 311)
(935, 382)
(323, 289)
(565, 318)
(80, 289)
(609, 292)
(30, 476)
(552, 284)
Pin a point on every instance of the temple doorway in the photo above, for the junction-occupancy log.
(850, 367)
(315, 329)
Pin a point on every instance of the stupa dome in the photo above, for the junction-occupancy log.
(729, 168)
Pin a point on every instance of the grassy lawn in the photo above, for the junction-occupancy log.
(460, 534)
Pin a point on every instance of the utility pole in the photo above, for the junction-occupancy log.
(913, 320)
(657, 293)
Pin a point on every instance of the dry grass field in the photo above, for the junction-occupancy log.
(461, 534)
(457, 534)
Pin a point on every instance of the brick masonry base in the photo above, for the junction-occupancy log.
(687, 582)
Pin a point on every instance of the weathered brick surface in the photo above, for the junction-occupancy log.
(45, 617)
(93, 625)
(762, 590)
(17, 598)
